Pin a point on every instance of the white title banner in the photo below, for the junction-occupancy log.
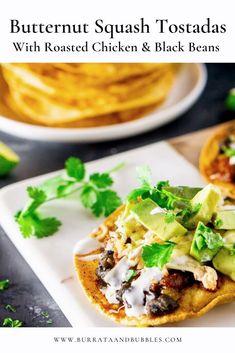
(120, 31)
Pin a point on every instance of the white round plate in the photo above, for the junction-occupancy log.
(184, 93)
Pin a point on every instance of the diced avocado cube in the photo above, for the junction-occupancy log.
(208, 199)
(229, 237)
(205, 244)
(184, 192)
(153, 218)
(225, 219)
(224, 262)
(183, 243)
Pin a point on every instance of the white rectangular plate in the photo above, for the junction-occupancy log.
(51, 258)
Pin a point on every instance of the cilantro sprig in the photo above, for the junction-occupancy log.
(228, 151)
(9, 322)
(10, 308)
(158, 193)
(230, 100)
(206, 238)
(94, 192)
(4, 284)
(157, 254)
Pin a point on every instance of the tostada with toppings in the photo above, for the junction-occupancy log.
(168, 254)
(217, 159)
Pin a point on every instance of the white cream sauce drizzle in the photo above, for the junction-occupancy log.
(114, 279)
(134, 296)
(232, 145)
(90, 257)
(228, 207)
(232, 160)
(157, 210)
(86, 246)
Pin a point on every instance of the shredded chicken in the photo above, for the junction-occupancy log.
(205, 274)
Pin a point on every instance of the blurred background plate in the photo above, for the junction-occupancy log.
(184, 93)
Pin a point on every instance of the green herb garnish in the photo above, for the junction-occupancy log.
(206, 243)
(206, 238)
(94, 191)
(9, 322)
(157, 254)
(144, 175)
(130, 274)
(159, 193)
(186, 214)
(45, 314)
(218, 223)
(4, 284)
(230, 100)
(229, 152)
(170, 217)
(11, 308)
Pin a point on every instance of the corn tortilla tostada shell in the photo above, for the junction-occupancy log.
(194, 302)
(59, 108)
(65, 95)
(210, 151)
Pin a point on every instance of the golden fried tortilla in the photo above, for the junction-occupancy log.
(193, 302)
(62, 94)
(210, 152)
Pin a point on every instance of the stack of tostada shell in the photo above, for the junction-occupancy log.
(85, 94)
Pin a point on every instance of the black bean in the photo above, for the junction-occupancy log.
(120, 292)
(161, 305)
(105, 264)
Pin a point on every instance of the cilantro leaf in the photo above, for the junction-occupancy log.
(107, 202)
(160, 194)
(75, 168)
(206, 238)
(144, 175)
(11, 308)
(230, 152)
(169, 217)
(36, 194)
(218, 223)
(162, 184)
(157, 254)
(39, 227)
(4, 284)
(45, 314)
(186, 214)
(9, 322)
(230, 100)
(139, 192)
(88, 196)
(206, 243)
(57, 187)
(94, 193)
(130, 274)
(101, 180)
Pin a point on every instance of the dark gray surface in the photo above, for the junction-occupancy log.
(26, 292)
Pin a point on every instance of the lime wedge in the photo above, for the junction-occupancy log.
(8, 159)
